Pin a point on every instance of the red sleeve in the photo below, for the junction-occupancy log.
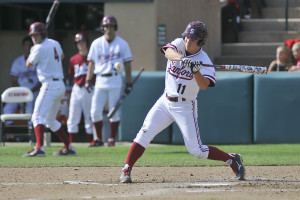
(71, 66)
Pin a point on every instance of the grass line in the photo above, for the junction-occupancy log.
(155, 155)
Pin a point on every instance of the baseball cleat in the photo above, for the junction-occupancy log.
(71, 151)
(35, 152)
(96, 143)
(238, 167)
(125, 174)
(111, 142)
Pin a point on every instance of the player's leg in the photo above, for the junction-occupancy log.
(56, 126)
(157, 119)
(86, 107)
(75, 110)
(188, 125)
(98, 102)
(113, 96)
(41, 108)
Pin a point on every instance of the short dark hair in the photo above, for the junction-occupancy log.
(25, 39)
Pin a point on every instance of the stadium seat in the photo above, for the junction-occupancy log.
(20, 95)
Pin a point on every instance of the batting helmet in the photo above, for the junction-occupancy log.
(109, 20)
(196, 30)
(80, 36)
(38, 28)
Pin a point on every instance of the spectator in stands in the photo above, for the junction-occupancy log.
(21, 76)
(283, 59)
(296, 55)
(230, 20)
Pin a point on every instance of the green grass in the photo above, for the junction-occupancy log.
(155, 155)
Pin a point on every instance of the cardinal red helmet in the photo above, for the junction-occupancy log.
(80, 36)
(109, 20)
(196, 30)
(38, 28)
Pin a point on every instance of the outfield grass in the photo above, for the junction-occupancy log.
(155, 155)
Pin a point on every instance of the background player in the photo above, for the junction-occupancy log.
(24, 77)
(80, 100)
(105, 51)
(47, 55)
(178, 102)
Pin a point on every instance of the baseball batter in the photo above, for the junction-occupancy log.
(80, 101)
(47, 55)
(104, 53)
(24, 77)
(178, 102)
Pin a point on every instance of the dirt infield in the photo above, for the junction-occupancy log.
(149, 183)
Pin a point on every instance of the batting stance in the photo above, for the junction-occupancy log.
(178, 102)
(47, 55)
(106, 52)
(80, 101)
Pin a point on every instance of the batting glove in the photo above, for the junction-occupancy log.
(128, 88)
(88, 86)
(196, 66)
(184, 61)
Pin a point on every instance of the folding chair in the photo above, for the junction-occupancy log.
(16, 95)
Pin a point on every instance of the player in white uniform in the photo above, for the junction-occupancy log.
(47, 55)
(24, 77)
(178, 102)
(105, 51)
(80, 101)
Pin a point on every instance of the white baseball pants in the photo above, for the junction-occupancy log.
(47, 104)
(80, 101)
(184, 113)
(99, 99)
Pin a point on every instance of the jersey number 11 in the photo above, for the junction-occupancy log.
(179, 88)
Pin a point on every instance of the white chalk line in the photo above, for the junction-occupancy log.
(185, 187)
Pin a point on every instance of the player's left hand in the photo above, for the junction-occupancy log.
(128, 88)
(196, 66)
(184, 61)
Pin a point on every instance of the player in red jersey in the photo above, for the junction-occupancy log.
(80, 101)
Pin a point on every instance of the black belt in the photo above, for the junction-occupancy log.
(174, 99)
(110, 74)
(55, 79)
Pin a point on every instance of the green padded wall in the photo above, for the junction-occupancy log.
(277, 108)
(225, 112)
(148, 88)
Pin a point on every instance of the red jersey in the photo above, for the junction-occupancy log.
(79, 67)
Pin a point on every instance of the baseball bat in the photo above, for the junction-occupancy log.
(121, 99)
(52, 12)
(241, 68)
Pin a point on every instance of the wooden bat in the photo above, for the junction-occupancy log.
(121, 99)
(239, 68)
(52, 12)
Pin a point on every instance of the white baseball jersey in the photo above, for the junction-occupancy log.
(47, 57)
(105, 54)
(178, 103)
(179, 79)
(27, 77)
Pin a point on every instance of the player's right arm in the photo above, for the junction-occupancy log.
(89, 75)
(172, 54)
(90, 72)
(33, 57)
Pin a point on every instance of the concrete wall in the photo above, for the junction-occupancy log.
(138, 25)
(136, 22)
(180, 14)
